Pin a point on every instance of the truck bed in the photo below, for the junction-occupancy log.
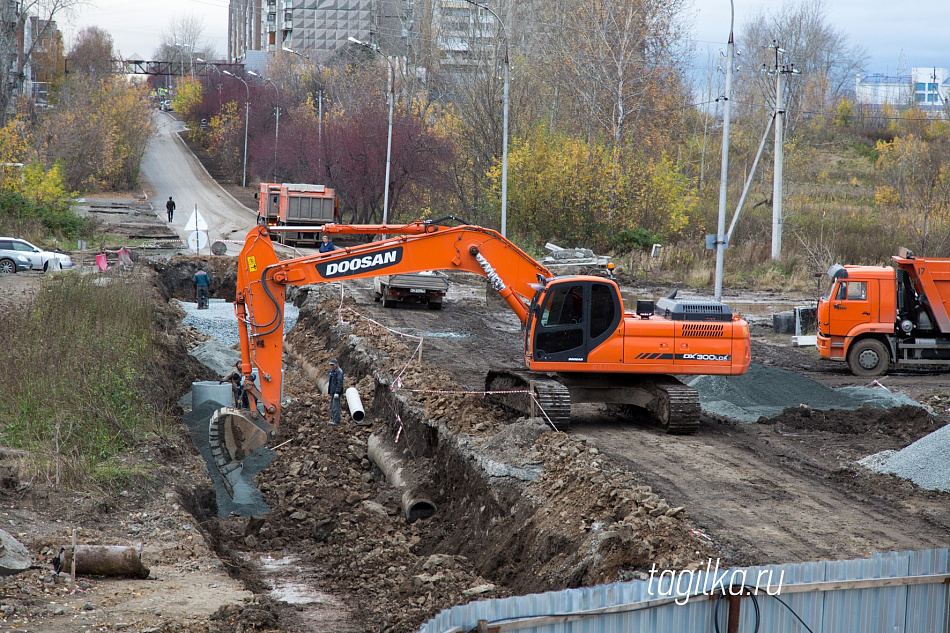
(421, 288)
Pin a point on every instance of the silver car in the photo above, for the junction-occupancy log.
(38, 258)
(13, 262)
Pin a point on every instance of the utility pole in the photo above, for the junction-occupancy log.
(724, 171)
(780, 71)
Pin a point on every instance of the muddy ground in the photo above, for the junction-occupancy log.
(601, 502)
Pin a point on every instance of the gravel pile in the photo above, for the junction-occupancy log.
(924, 462)
(219, 322)
(767, 391)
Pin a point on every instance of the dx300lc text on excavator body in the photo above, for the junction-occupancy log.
(580, 344)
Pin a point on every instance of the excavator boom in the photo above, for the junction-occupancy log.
(575, 327)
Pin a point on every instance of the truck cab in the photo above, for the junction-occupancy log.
(860, 306)
(877, 317)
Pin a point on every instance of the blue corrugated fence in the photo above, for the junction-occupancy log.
(906, 592)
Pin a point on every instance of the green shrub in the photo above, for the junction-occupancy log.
(16, 210)
(638, 239)
(78, 385)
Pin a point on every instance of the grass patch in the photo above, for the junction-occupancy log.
(78, 388)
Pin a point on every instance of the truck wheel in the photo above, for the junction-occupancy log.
(376, 296)
(388, 303)
(868, 358)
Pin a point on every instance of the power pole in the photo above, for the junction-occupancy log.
(780, 71)
(724, 170)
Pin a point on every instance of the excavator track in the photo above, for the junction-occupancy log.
(551, 395)
(676, 406)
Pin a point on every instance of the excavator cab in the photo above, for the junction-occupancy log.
(571, 317)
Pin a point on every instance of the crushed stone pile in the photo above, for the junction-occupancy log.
(765, 392)
(924, 462)
(219, 322)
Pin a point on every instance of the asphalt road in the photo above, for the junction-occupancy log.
(170, 169)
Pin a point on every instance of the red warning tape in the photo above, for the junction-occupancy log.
(397, 383)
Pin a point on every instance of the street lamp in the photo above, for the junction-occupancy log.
(504, 142)
(247, 116)
(181, 57)
(389, 137)
(276, 121)
(209, 64)
(319, 98)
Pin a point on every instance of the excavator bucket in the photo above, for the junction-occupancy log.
(233, 434)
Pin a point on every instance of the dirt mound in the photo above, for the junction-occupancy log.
(905, 423)
(176, 275)
(521, 508)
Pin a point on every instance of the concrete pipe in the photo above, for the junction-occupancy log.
(213, 390)
(355, 404)
(394, 467)
(103, 560)
(320, 377)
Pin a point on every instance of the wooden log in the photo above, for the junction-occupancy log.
(103, 560)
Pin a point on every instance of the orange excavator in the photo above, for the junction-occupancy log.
(580, 345)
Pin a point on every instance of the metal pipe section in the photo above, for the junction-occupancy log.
(394, 468)
(103, 560)
(354, 404)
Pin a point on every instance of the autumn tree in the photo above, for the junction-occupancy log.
(226, 137)
(92, 54)
(616, 60)
(97, 131)
(13, 17)
(563, 188)
(826, 60)
(355, 146)
(49, 62)
(183, 39)
(915, 182)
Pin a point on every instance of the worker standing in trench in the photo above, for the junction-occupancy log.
(335, 390)
(201, 281)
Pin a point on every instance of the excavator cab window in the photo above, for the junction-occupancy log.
(575, 318)
(561, 326)
(603, 309)
(564, 306)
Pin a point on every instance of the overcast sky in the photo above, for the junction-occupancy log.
(912, 32)
(888, 29)
(137, 25)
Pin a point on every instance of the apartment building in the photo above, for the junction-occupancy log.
(444, 34)
(927, 88)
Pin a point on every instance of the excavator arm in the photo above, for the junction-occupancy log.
(259, 304)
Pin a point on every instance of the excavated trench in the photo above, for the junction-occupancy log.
(518, 508)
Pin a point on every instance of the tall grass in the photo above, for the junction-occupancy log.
(76, 383)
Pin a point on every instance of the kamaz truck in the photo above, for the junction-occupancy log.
(877, 318)
(292, 204)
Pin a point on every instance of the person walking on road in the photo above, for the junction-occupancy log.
(170, 207)
(335, 391)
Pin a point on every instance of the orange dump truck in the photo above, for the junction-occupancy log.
(303, 205)
(880, 317)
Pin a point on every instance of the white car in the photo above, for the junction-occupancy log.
(39, 259)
